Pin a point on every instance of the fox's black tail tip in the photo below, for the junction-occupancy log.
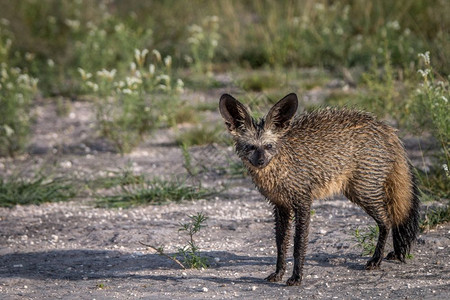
(405, 234)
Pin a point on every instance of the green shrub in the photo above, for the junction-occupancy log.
(430, 113)
(16, 92)
(132, 104)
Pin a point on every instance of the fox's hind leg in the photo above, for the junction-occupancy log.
(372, 200)
(375, 261)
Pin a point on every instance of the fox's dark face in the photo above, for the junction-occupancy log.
(257, 141)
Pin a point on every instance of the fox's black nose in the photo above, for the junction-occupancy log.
(260, 162)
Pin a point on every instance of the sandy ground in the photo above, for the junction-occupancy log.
(73, 250)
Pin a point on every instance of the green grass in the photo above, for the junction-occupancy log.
(116, 178)
(37, 190)
(435, 217)
(202, 135)
(258, 82)
(434, 184)
(156, 191)
(367, 239)
(234, 169)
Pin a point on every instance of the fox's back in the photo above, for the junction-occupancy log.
(324, 150)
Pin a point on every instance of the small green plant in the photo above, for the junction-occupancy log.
(367, 239)
(190, 256)
(435, 217)
(155, 191)
(101, 286)
(189, 252)
(39, 189)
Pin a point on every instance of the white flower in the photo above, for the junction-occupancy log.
(84, 75)
(127, 91)
(188, 59)
(133, 82)
(92, 85)
(140, 56)
(119, 27)
(8, 130)
(15, 71)
(23, 78)
(426, 57)
(424, 73)
(107, 74)
(168, 61)
(393, 24)
(157, 54)
(151, 69)
(319, 6)
(29, 56)
(164, 78)
(162, 87)
(195, 29)
(180, 86)
(193, 40)
(73, 24)
(133, 66)
(50, 63)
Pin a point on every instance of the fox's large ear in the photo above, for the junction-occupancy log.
(280, 115)
(234, 113)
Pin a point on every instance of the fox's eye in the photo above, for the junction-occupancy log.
(268, 146)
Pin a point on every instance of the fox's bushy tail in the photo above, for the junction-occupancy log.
(404, 233)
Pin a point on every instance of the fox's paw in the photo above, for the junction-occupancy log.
(294, 281)
(373, 263)
(393, 256)
(274, 277)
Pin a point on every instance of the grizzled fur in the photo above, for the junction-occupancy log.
(294, 160)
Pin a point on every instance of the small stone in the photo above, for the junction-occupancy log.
(204, 289)
(254, 288)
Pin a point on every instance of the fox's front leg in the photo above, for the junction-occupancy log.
(282, 223)
(302, 217)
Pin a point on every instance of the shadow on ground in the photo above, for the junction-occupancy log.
(107, 264)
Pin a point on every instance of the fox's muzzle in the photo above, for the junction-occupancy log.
(258, 159)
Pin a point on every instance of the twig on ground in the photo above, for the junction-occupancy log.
(160, 251)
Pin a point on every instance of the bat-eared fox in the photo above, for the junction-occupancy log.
(293, 160)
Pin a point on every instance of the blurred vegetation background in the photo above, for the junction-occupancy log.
(135, 59)
(61, 35)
